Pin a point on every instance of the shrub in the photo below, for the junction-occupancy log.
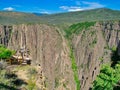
(108, 78)
(74, 68)
(32, 72)
(77, 28)
(31, 85)
(114, 48)
(5, 53)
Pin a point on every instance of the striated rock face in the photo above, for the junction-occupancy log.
(50, 49)
(47, 47)
(111, 32)
(90, 49)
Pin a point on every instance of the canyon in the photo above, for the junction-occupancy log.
(67, 63)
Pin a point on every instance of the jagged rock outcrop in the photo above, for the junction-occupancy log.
(111, 31)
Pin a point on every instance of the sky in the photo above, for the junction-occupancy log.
(56, 6)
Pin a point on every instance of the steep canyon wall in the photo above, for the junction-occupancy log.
(49, 48)
(92, 47)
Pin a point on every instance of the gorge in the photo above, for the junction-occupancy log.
(70, 58)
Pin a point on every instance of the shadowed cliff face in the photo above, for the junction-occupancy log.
(90, 49)
(111, 32)
(50, 49)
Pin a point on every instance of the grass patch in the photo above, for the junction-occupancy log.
(74, 68)
(10, 81)
(31, 84)
(77, 28)
(114, 48)
(101, 59)
(56, 82)
(93, 42)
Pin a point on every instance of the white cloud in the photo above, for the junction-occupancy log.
(45, 12)
(8, 9)
(77, 9)
(71, 8)
(85, 6)
(64, 7)
(74, 8)
(92, 5)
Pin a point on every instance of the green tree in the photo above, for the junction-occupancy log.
(5, 53)
(108, 78)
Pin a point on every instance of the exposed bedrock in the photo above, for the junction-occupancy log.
(49, 48)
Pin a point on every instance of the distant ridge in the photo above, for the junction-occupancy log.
(40, 14)
(10, 17)
(99, 14)
(68, 18)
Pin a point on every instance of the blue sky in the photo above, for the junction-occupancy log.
(56, 6)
